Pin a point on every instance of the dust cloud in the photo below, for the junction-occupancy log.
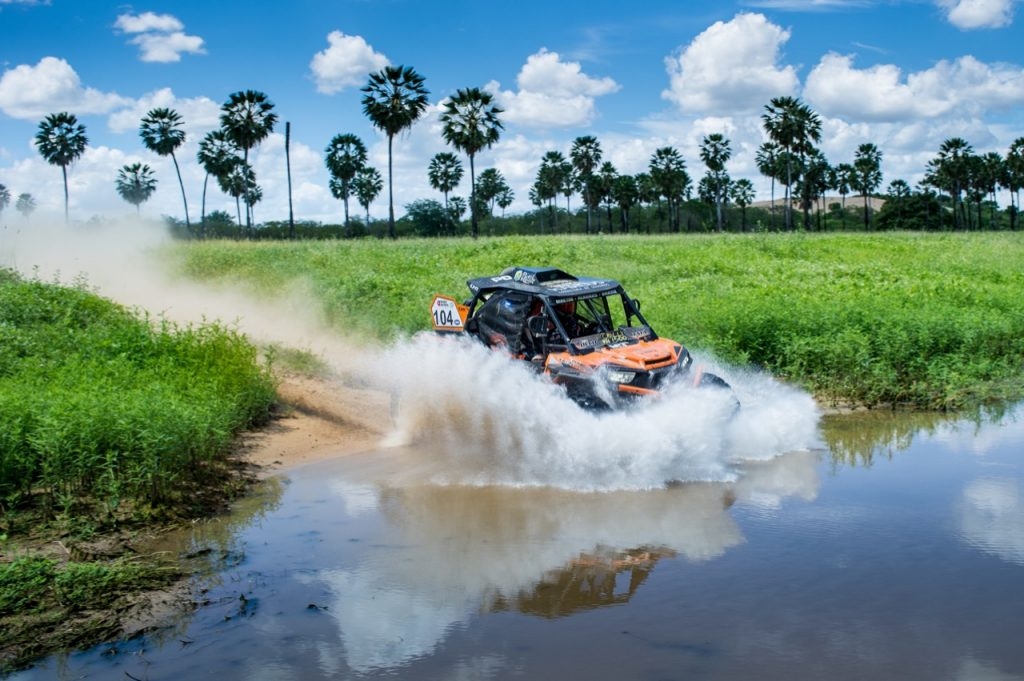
(472, 416)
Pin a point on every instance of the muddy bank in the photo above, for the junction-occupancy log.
(315, 419)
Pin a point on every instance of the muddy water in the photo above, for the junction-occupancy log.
(891, 549)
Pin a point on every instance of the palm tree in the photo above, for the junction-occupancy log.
(606, 177)
(458, 207)
(217, 154)
(471, 124)
(344, 156)
(715, 152)
(647, 193)
(5, 198)
(505, 198)
(668, 173)
(135, 183)
(248, 118)
(795, 128)
(61, 140)
(949, 171)
(444, 174)
(846, 176)
(367, 185)
(867, 162)
(991, 177)
(161, 132)
(742, 194)
(585, 154)
(626, 194)
(552, 176)
(897, 193)
(1015, 177)
(488, 187)
(236, 182)
(394, 98)
(25, 205)
(767, 160)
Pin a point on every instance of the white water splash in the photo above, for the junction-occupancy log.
(480, 418)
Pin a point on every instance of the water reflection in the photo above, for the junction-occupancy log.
(857, 439)
(449, 553)
(992, 518)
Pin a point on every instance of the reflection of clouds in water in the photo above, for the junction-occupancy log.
(975, 670)
(992, 518)
(984, 437)
(384, 624)
(358, 499)
(767, 484)
(447, 553)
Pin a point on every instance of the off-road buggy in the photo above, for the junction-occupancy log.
(586, 334)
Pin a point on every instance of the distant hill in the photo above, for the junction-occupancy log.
(852, 202)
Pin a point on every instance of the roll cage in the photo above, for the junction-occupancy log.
(536, 311)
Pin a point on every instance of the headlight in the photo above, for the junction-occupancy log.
(620, 376)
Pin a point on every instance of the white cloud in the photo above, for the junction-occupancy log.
(199, 114)
(347, 62)
(167, 47)
(731, 67)
(552, 93)
(971, 14)
(31, 92)
(160, 38)
(148, 21)
(881, 93)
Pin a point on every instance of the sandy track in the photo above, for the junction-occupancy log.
(318, 419)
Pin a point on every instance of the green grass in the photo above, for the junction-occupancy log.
(926, 320)
(102, 409)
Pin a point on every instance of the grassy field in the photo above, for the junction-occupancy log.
(103, 407)
(925, 320)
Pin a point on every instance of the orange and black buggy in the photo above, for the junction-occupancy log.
(585, 333)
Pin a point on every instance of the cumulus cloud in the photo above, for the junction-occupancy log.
(199, 114)
(167, 47)
(552, 93)
(881, 93)
(161, 37)
(30, 92)
(972, 14)
(346, 62)
(732, 66)
(148, 21)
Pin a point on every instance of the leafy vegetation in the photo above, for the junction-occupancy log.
(930, 321)
(48, 604)
(104, 412)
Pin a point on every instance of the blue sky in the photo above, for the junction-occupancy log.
(902, 74)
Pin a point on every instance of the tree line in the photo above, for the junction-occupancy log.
(959, 189)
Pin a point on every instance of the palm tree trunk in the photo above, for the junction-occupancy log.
(288, 169)
(472, 195)
(202, 218)
(64, 171)
(391, 195)
(188, 224)
(248, 215)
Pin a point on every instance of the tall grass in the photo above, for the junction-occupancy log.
(933, 321)
(99, 405)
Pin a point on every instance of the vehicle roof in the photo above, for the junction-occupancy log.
(548, 282)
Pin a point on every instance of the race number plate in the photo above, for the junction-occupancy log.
(448, 315)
